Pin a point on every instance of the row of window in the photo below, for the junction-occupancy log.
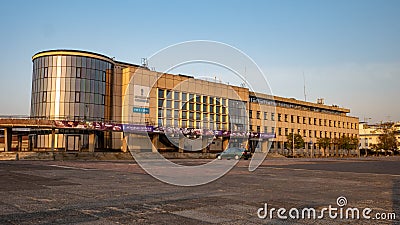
(184, 123)
(71, 61)
(190, 97)
(69, 72)
(68, 84)
(305, 133)
(170, 114)
(76, 96)
(291, 105)
(304, 120)
(192, 106)
(68, 110)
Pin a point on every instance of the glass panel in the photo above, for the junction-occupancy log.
(63, 61)
(73, 61)
(68, 60)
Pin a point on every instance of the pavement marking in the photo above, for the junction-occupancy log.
(310, 170)
(71, 167)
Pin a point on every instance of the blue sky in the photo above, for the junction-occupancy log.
(349, 51)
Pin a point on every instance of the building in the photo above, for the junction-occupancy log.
(93, 102)
(369, 134)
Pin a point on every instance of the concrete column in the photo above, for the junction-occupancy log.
(7, 139)
(225, 143)
(264, 146)
(154, 143)
(30, 143)
(92, 140)
(181, 144)
(53, 139)
(125, 144)
(204, 144)
(19, 143)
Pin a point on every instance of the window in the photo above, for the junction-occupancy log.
(286, 131)
(272, 116)
(309, 121)
(78, 72)
(205, 99)
(266, 129)
(279, 131)
(279, 117)
(298, 119)
(292, 118)
(273, 130)
(77, 96)
(160, 93)
(250, 113)
(286, 118)
(176, 95)
(103, 77)
(251, 127)
(169, 94)
(258, 129)
(304, 120)
(169, 104)
(265, 116)
(258, 115)
(44, 97)
(46, 71)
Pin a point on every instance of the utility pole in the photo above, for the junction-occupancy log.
(293, 143)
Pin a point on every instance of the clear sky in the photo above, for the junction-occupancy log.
(348, 50)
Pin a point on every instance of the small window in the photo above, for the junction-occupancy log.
(46, 72)
(78, 72)
(77, 96)
(103, 78)
(160, 93)
(44, 99)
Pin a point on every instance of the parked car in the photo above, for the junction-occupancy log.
(234, 153)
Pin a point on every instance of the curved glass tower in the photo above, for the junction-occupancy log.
(71, 85)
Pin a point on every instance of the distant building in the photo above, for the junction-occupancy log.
(369, 134)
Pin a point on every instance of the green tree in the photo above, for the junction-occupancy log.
(324, 143)
(345, 143)
(298, 141)
(387, 139)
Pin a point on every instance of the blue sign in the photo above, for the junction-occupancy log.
(141, 110)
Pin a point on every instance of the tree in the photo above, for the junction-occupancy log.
(346, 143)
(387, 139)
(298, 141)
(324, 143)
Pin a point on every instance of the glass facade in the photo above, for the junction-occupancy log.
(69, 87)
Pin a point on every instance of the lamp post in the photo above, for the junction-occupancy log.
(293, 143)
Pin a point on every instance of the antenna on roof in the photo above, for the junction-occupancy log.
(144, 62)
(304, 79)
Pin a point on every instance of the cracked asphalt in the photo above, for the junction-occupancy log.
(120, 192)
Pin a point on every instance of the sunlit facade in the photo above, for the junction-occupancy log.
(94, 100)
